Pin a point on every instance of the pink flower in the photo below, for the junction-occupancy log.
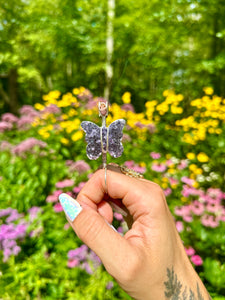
(25, 122)
(54, 196)
(197, 260)
(72, 263)
(187, 180)
(151, 128)
(118, 216)
(215, 193)
(139, 125)
(51, 198)
(28, 145)
(128, 107)
(179, 226)
(51, 109)
(183, 164)
(182, 211)
(78, 188)
(66, 226)
(80, 166)
(167, 192)
(197, 208)
(187, 218)
(57, 207)
(139, 169)
(173, 181)
(5, 126)
(27, 110)
(109, 285)
(190, 251)
(120, 229)
(8, 117)
(210, 221)
(155, 155)
(65, 183)
(158, 167)
(4, 145)
(213, 207)
(126, 138)
(169, 162)
(129, 164)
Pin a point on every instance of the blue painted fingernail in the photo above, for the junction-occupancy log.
(71, 207)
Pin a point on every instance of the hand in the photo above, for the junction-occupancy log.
(149, 261)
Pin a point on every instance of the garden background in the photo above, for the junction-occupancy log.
(162, 65)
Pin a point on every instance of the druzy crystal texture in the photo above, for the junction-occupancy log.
(103, 139)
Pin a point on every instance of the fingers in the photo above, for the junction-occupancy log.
(137, 195)
(97, 234)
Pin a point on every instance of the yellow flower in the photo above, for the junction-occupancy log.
(76, 91)
(193, 167)
(167, 93)
(38, 106)
(180, 97)
(184, 199)
(171, 171)
(198, 171)
(165, 179)
(202, 157)
(64, 116)
(151, 104)
(174, 186)
(164, 185)
(64, 141)
(190, 155)
(72, 112)
(142, 164)
(208, 90)
(77, 135)
(195, 184)
(218, 131)
(192, 176)
(126, 98)
(54, 94)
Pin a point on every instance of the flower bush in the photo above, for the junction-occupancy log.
(179, 144)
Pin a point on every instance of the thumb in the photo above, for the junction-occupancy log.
(96, 233)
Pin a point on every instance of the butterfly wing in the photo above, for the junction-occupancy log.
(115, 135)
(93, 139)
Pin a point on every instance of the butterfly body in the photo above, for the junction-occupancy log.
(103, 139)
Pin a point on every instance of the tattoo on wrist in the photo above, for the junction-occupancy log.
(175, 290)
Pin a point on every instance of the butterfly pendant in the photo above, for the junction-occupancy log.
(101, 140)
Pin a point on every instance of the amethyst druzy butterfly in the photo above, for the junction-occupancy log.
(103, 139)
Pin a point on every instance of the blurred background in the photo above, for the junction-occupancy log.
(155, 45)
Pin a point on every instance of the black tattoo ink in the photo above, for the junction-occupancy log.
(173, 286)
(174, 289)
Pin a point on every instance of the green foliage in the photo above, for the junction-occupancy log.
(26, 180)
(158, 45)
(29, 178)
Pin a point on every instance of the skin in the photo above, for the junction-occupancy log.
(145, 258)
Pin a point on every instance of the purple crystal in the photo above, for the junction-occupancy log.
(103, 139)
(93, 139)
(115, 147)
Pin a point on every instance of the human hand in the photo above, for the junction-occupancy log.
(149, 261)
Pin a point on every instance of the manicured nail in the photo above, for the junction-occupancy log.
(71, 207)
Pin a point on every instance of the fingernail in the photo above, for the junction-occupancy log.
(71, 207)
